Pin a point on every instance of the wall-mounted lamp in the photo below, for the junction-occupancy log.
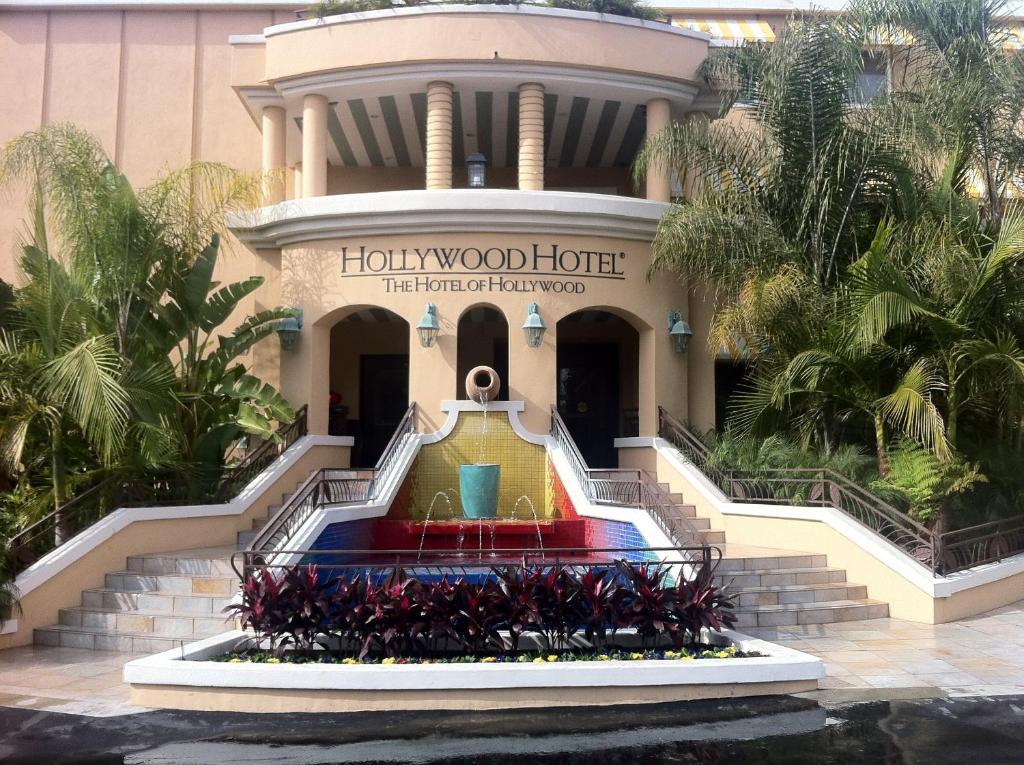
(679, 331)
(476, 170)
(288, 330)
(534, 326)
(428, 326)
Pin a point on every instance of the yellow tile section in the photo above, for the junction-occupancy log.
(523, 467)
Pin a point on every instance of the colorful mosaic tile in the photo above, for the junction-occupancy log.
(523, 468)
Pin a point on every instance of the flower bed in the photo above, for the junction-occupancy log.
(683, 654)
(359, 618)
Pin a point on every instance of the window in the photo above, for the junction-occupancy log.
(873, 79)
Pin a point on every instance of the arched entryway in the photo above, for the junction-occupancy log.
(598, 362)
(369, 379)
(482, 340)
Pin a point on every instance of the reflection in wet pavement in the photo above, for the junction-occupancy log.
(775, 730)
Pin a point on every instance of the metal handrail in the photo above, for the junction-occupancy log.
(244, 562)
(260, 458)
(93, 504)
(942, 553)
(628, 487)
(330, 486)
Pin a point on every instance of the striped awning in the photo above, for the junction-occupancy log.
(730, 30)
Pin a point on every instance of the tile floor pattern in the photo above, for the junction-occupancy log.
(980, 656)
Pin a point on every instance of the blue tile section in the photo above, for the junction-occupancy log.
(622, 534)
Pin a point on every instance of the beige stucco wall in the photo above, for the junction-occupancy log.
(482, 37)
(258, 700)
(311, 276)
(152, 86)
(64, 588)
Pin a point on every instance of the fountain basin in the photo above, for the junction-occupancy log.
(478, 488)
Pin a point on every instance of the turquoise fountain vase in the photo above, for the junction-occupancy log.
(478, 489)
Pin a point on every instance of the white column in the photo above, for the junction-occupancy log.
(273, 126)
(314, 146)
(658, 117)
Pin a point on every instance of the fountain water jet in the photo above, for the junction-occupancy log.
(423, 535)
(536, 520)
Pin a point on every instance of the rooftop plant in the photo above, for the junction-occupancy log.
(630, 8)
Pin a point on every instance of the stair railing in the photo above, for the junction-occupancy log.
(95, 503)
(333, 486)
(827, 488)
(626, 487)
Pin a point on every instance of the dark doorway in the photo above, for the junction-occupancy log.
(482, 340)
(383, 399)
(729, 378)
(589, 400)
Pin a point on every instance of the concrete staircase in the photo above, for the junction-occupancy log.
(159, 602)
(780, 588)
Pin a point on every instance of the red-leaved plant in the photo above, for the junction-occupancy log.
(403, 616)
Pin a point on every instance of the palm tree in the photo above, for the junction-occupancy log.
(962, 86)
(796, 182)
(114, 330)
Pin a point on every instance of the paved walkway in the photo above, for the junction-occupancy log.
(879, 658)
(979, 656)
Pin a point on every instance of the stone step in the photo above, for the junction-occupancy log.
(171, 564)
(714, 536)
(755, 563)
(259, 523)
(245, 538)
(825, 612)
(181, 584)
(741, 580)
(800, 593)
(154, 602)
(143, 622)
(103, 640)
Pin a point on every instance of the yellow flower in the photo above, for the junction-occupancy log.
(538, 660)
(489, 660)
(687, 657)
(722, 654)
(671, 655)
(388, 660)
(235, 660)
(552, 657)
(349, 661)
(603, 657)
(636, 656)
(273, 660)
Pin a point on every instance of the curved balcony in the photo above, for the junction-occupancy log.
(422, 212)
(398, 99)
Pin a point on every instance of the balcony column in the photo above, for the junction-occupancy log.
(297, 181)
(439, 135)
(531, 137)
(314, 145)
(273, 126)
(658, 117)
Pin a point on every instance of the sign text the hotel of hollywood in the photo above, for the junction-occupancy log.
(538, 268)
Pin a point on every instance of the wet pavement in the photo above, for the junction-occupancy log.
(775, 730)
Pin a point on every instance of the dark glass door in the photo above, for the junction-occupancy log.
(588, 399)
(383, 399)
